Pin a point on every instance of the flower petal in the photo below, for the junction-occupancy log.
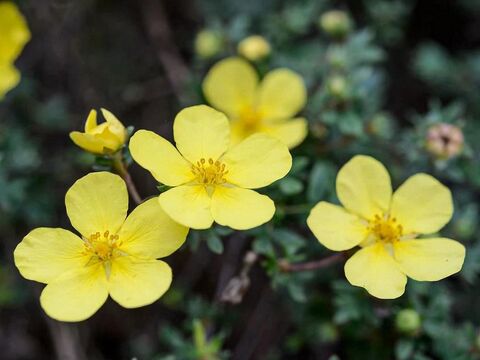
(230, 85)
(88, 142)
(375, 270)
(290, 132)
(241, 209)
(335, 228)
(76, 295)
(364, 187)
(134, 283)
(422, 205)
(46, 253)
(282, 94)
(9, 78)
(14, 32)
(429, 259)
(188, 205)
(201, 132)
(96, 203)
(157, 155)
(91, 122)
(257, 161)
(149, 232)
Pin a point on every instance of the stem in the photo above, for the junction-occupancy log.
(121, 169)
(312, 265)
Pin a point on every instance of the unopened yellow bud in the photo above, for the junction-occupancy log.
(106, 138)
(254, 48)
(408, 321)
(335, 23)
(208, 43)
(337, 86)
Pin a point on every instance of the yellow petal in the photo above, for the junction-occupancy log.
(374, 269)
(422, 205)
(230, 85)
(429, 259)
(336, 228)
(97, 202)
(46, 253)
(282, 94)
(88, 142)
(257, 161)
(9, 78)
(76, 295)
(149, 232)
(134, 283)
(363, 187)
(188, 205)
(290, 132)
(157, 155)
(201, 132)
(14, 33)
(91, 122)
(241, 209)
(110, 118)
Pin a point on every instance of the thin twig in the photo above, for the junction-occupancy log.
(312, 265)
(161, 35)
(122, 170)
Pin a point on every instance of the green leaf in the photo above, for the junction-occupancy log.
(290, 186)
(321, 181)
(214, 243)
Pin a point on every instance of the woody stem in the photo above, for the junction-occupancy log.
(121, 169)
(312, 265)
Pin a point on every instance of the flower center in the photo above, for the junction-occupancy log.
(102, 247)
(209, 172)
(385, 228)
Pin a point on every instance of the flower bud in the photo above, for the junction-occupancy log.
(444, 141)
(254, 48)
(408, 321)
(337, 86)
(106, 138)
(335, 23)
(208, 43)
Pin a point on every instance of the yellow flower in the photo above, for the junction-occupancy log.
(386, 227)
(232, 86)
(254, 48)
(116, 254)
(210, 181)
(105, 138)
(14, 34)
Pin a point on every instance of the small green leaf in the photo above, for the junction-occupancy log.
(214, 243)
(290, 186)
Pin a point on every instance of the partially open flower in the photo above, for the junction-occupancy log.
(106, 138)
(444, 140)
(254, 48)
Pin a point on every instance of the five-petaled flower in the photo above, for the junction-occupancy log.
(210, 181)
(106, 138)
(14, 34)
(232, 86)
(116, 255)
(386, 227)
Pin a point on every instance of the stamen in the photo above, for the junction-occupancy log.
(209, 172)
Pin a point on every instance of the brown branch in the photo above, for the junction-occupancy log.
(121, 169)
(312, 265)
(158, 28)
